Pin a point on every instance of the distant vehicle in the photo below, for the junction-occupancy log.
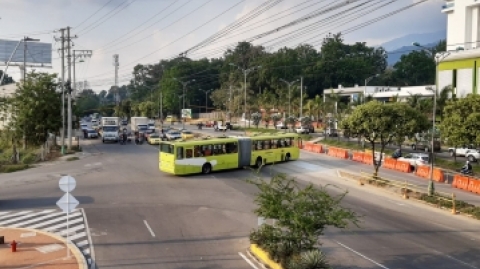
(110, 129)
(154, 139)
(151, 126)
(415, 159)
(124, 122)
(91, 133)
(282, 125)
(139, 124)
(187, 135)
(303, 130)
(426, 146)
(332, 132)
(468, 152)
(173, 135)
(84, 127)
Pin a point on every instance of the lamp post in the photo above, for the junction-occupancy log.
(289, 84)
(206, 98)
(437, 58)
(184, 84)
(245, 73)
(366, 82)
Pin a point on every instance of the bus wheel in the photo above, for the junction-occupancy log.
(287, 157)
(259, 162)
(206, 168)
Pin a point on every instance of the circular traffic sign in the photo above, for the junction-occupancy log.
(67, 183)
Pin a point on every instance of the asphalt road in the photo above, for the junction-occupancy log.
(142, 218)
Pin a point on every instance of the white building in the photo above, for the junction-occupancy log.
(6, 91)
(463, 23)
(381, 93)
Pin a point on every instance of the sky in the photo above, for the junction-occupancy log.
(146, 31)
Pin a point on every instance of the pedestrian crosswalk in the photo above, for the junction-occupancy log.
(53, 221)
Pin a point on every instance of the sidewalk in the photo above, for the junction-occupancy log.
(38, 249)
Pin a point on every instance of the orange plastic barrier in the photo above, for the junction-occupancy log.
(368, 159)
(358, 156)
(403, 167)
(474, 186)
(308, 146)
(460, 182)
(389, 163)
(317, 148)
(342, 153)
(332, 152)
(423, 171)
(438, 175)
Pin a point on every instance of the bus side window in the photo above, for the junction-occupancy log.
(274, 144)
(292, 142)
(219, 149)
(254, 145)
(188, 153)
(179, 153)
(266, 144)
(207, 150)
(197, 152)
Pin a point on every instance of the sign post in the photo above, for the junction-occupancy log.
(67, 203)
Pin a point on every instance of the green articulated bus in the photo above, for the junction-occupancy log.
(221, 153)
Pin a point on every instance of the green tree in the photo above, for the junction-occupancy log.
(415, 68)
(87, 102)
(146, 108)
(301, 215)
(36, 108)
(461, 121)
(379, 123)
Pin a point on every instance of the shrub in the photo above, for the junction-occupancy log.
(28, 158)
(312, 259)
(10, 168)
(69, 159)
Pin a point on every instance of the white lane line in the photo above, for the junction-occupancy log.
(92, 253)
(247, 260)
(363, 256)
(149, 229)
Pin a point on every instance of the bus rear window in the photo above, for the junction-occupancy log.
(166, 148)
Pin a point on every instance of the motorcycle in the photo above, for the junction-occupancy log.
(466, 172)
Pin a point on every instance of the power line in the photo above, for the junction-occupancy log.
(119, 8)
(95, 13)
(136, 28)
(183, 36)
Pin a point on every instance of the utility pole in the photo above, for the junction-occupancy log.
(69, 104)
(24, 138)
(230, 105)
(301, 97)
(116, 63)
(62, 134)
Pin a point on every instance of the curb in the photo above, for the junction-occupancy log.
(82, 263)
(417, 200)
(263, 257)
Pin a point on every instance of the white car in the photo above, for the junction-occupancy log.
(302, 130)
(91, 133)
(282, 126)
(415, 159)
(471, 154)
(173, 135)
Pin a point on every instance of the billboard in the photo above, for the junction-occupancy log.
(37, 53)
(186, 113)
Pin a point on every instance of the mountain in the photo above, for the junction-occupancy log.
(403, 45)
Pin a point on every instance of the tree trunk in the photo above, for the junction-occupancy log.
(375, 168)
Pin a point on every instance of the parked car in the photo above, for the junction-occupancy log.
(282, 126)
(415, 159)
(173, 135)
(84, 127)
(302, 130)
(187, 135)
(469, 152)
(426, 146)
(154, 139)
(91, 133)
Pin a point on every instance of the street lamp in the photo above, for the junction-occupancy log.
(245, 73)
(206, 99)
(437, 58)
(289, 95)
(184, 84)
(366, 82)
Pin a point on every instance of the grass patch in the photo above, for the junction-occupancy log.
(69, 159)
(10, 168)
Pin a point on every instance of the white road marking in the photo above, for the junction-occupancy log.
(36, 226)
(50, 248)
(363, 256)
(31, 234)
(37, 219)
(3, 223)
(3, 213)
(247, 260)
(64, 224)
(149, 229)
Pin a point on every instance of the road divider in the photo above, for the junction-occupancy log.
(423, 171)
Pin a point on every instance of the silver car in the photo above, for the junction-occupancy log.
(173, 135)
(415, 159)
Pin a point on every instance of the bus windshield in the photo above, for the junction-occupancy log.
(166, 148)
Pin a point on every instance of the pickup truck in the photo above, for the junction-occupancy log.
(471, 154)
